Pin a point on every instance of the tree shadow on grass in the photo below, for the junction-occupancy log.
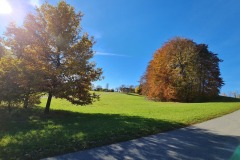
(216, 99)
(133, 94)
(28, 134)
(225, 99)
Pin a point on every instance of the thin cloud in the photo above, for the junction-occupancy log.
(110, 54)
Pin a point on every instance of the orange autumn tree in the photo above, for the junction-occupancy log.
(53, 46)
(182, 71)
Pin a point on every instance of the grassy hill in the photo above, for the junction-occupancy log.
(29, 134)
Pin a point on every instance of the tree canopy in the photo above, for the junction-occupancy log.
(55, 53)
(182, 70)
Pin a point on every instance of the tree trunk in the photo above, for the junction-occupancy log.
(25, 105)
(9, 106)
(47, 108)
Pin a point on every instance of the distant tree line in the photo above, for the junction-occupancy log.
(122, 88)
(129, 89)
(234, 94)
(101, 89)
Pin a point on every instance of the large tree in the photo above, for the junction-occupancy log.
(51, 39)
(182, 71)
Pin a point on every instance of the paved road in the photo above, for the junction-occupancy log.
(214, 140)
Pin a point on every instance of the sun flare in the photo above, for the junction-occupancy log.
(5, 7)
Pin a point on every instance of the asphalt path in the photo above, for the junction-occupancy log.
(216, 139)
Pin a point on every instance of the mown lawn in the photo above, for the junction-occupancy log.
(29, 134)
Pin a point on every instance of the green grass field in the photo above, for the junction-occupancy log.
(29, 134)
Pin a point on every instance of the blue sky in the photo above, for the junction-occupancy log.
(128, 32)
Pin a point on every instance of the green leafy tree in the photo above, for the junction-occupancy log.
(182, 71)
(138, 89)
(208, 72)
(14, 82)
(10, 86)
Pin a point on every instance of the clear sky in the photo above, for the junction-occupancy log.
(128, 32)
